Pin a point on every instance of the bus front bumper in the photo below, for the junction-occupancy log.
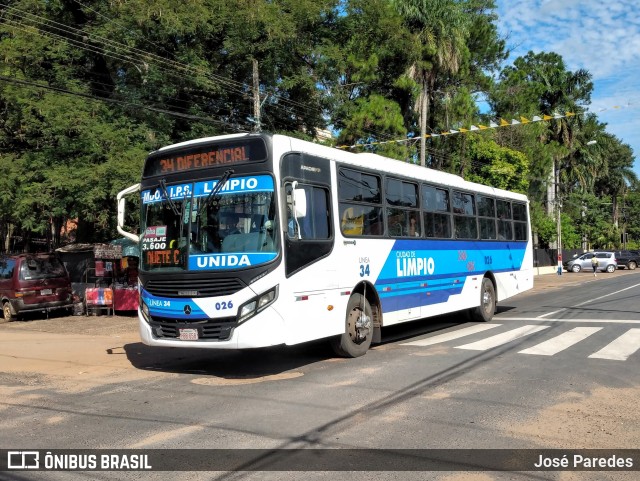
(263, 330)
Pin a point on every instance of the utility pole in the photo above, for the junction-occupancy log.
(558, 207)
(256, 96)
(424, 107)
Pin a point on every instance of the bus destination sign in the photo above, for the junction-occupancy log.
(160, 163)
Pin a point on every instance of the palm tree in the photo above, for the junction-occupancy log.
(441, 30)
(585, 161)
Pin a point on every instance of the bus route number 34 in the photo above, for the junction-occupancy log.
(364, 268)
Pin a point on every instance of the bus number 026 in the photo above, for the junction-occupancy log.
(220, 306)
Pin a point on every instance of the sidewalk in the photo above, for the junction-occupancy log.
(549, 278)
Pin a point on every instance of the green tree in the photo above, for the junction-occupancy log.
(361, 67)
(630, 214)
(618, 176)
(383, 115)
(497, 166)
(59, 137)
(538, 84)
(440, 29)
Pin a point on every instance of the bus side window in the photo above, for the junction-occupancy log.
(361, 220)
(436, 212)
(465, 225)
(505, 231)
(351, 224)
(520, 221)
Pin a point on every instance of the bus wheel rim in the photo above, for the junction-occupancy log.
(359, 326)
(487, 300)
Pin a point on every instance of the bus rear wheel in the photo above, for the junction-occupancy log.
(358, 333)
(484, 312)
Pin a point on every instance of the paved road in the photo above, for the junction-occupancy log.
(556, 368)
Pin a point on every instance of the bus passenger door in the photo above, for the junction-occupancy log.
(308, 243)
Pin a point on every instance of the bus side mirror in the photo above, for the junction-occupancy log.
(300, 203)
(297, 202)
(121, 211)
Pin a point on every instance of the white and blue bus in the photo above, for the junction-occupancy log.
(254, 240)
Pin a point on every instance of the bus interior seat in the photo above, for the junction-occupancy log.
(352, 224)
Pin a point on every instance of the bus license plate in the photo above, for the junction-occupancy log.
(46, 292)
(188, 334)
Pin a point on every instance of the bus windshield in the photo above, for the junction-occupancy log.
(203, 226)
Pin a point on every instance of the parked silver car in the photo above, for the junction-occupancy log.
(606, 262)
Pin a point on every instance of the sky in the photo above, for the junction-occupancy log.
(601, 37)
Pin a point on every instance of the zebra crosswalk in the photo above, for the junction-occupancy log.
(620, 349)
(500, 339)
(561, 342)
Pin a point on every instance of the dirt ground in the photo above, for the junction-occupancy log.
(109, 325)
(71, 353)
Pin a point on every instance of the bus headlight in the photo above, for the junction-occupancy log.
(246, 311)
(266, 299)
(257, 304)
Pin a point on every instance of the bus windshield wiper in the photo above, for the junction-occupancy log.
(213, 195)
(174, 208)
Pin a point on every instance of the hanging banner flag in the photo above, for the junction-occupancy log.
(474, 128)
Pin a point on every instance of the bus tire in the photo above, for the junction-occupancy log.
(484, 312)
(358, 333)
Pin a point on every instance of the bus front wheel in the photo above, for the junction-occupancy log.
(358, 333)
(484, 312)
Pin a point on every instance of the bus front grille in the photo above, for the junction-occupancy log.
(208, 329)
(194, 287)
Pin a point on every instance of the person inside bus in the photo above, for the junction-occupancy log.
(414, 226)
(231, 224)
(396, 221)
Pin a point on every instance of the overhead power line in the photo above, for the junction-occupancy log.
(114, 101)
(141, 59)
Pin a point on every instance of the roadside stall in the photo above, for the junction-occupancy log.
(100, 297)
(125, 281)
(125, 292)
(104, 277)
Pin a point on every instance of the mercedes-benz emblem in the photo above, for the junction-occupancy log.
(187, 309)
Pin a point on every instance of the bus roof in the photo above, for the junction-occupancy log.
(202, 140)
(366, 160)
(400, 168)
